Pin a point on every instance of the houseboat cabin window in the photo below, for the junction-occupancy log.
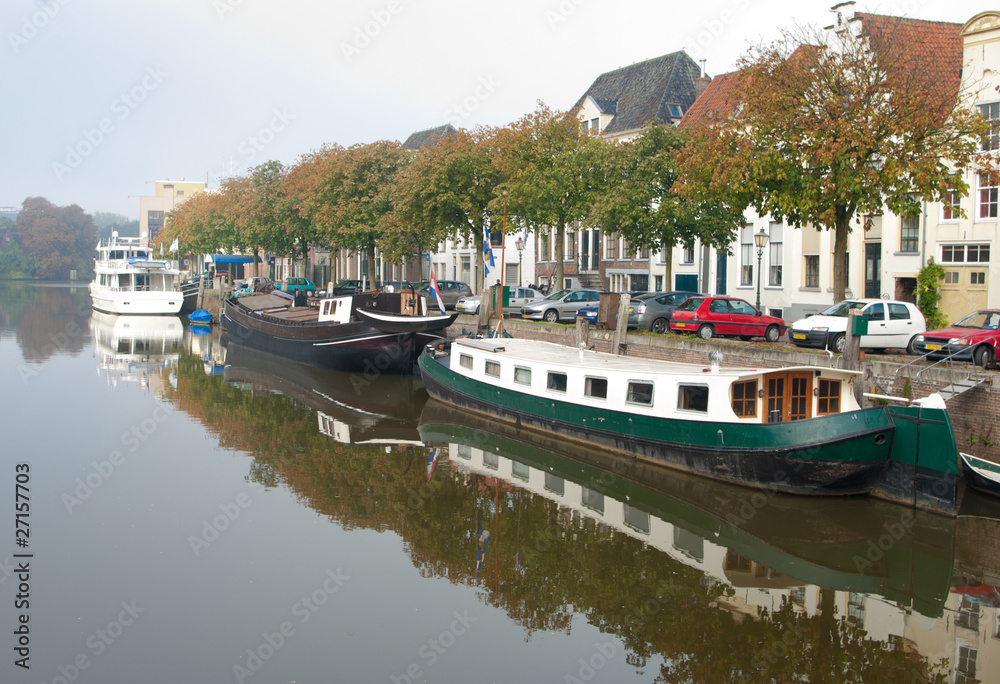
(493, 368)
(596, 387)
(640, 393)
(465, 452)
(491, 461)
(745, 399)
(692, 397)
(520, 470)
(522, 375)
(829, 396)
(556, 382)
(465, 361)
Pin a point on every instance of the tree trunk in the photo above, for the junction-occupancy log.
(668, 261)
(478, 262)
(370, 253)
(560, 256)
(842, 232)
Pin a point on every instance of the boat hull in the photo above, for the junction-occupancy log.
(981, 475)
(351, 347)
(835, 455)
(401, 323)
(136, 303)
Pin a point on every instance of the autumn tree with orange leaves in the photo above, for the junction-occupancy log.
(826, 127)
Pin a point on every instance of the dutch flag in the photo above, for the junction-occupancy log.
(437, 292)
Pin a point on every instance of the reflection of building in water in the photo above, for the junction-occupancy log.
(965, 632)
(136, 349)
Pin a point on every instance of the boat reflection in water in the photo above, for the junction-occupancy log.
(911, 581)
(135, 349)
(351, 408)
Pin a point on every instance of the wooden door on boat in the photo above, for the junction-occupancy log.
(790, 394)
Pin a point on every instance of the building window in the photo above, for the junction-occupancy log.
(596, 388)
(556, 382)
(640, 393)
(570, 254)
(965, 668)
(988, 189)
(812, 270)
(950, 209)
(688, 255)
(692, 398)
(610, 246)
(493, 368)
(951, 277)
(991, 112)
(829, 396)
(595, 125)
(965, 254)
(774, 255)
(155, 221)
(675, 111)
(909, 234)
(746, 255)
(745, 399)
(968, 615)
(977, 278)
(465, 361)
(522, 375)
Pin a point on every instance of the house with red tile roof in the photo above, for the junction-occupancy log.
(885, 251)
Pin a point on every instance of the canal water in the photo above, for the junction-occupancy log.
(179, 509)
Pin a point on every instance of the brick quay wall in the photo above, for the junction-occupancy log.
(975, 414)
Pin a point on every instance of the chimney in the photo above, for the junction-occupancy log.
(701, 82)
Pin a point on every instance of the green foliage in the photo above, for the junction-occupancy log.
(15, 264)
(907, 389)
(57, 238)
(107, 222)
(929, 294)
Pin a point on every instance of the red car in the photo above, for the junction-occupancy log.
(711, 316)
(974, 338)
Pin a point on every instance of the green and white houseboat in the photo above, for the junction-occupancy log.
(795, 429)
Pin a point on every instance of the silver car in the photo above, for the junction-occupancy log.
(519, 296)
(560, 305)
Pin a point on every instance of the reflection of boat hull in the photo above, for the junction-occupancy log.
(842, 453)
(831, 542)
(350, 407)
(130, 348)
(351, 346)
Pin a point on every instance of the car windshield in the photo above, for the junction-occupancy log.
(558, 295)
(988, 320)
(690, 304)
(842, 308)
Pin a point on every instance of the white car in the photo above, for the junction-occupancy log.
(891, 325)
(519, 296)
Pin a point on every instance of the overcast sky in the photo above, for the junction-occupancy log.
(102, 97)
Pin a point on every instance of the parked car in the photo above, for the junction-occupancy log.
(256, 284)
(451, 291)
(398, 286)
(293, 285)
(519, 296)
(652, 310)
(352, 286)
(560, 305)
(891, 324)
(722, 316)
(589, 313)
(975, 338)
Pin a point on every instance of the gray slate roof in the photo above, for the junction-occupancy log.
(640, 92)
(424, 138)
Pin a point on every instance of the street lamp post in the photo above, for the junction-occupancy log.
(760, 239)
(519, 243)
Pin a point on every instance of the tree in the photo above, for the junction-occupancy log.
(204, 223)
(345, 194)
(444, 192)
(552, 171)
(58, 239)
(929, 294)
(642, 205)
(107, 222)
(825, 127)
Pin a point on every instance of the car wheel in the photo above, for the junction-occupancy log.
(772, 333)
(839, 342)
(705, 332)
(551, 316)
(911, 346)
(982, 357)
(660, 325)
(475, 311)
(310, 293)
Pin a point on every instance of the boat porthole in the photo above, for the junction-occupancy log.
(879, 440)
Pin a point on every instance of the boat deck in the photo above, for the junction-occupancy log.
(550, 354)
